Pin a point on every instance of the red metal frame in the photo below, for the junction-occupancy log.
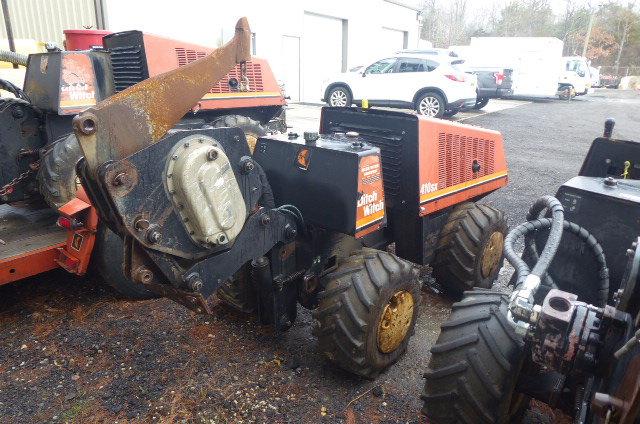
(73, 255)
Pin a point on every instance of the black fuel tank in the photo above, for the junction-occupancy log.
(68, 82)
(335, 181)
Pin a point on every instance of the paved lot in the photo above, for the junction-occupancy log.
(72, 351)
(304, 117)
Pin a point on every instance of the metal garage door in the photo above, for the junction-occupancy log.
(322, 53)
(290, 72)
(44, 20)
(392, 40)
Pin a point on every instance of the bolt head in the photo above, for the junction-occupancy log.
(154, 236)
(265, 220)
(290, 231)
(120, 179)
(85, 123)
(247, 165)
(212, 155)
(197, 284)
(194, 282)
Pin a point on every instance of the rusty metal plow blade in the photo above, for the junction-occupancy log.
(133, 119)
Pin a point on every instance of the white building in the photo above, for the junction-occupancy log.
(305, 41)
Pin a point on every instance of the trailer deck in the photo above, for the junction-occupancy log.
(30, 240)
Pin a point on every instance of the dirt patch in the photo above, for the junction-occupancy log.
(74, 352)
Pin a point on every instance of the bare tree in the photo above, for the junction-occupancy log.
(444, 22)
(627, 19)
(616, 31)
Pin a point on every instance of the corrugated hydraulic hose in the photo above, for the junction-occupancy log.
(551, 204)
(588, 239)
(527, 280)
(13, 57)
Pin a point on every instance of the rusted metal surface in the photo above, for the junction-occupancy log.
(141, 269)
(551, 335)
(629, 393)
(143, 113)
(624, 406)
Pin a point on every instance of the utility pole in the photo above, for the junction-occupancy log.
(9, 29)
(588, 36)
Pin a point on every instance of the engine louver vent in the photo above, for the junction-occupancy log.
(391, 155)
(128, 66)
(254, 71)
(456, 154)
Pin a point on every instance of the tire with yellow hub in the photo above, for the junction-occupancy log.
(367, 312)
(469, 251)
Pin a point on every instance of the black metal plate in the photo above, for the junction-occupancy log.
(144, 194)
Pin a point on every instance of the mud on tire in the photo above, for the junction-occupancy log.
(474, 364)
(57, 180)
(352, 305)
(473, 233)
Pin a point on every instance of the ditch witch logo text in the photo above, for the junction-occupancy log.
(370, 203)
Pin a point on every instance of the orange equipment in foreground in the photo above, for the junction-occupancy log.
(470, 163)
(46, 220)
(37, 239)
(250, 89)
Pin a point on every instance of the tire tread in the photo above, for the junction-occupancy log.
(350, 301)
(474, 363)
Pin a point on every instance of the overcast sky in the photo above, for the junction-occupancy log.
(557, 5)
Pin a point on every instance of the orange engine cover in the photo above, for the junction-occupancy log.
(426, 162)
(136, 56)
(457, 162)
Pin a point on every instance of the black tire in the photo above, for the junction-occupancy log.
(57, 180)
(566, 92)
(339, 96)
(238, 292)
(252, 129)
(481, 102)
(107, 261)
(352, 305)
(450, 113)
(474, 364)
(465, 242)
(426, 105)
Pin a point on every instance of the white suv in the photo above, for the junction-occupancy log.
(433, 85)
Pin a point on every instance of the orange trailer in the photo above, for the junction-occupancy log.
(37, 239)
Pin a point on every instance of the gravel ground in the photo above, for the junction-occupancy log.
(72, 351)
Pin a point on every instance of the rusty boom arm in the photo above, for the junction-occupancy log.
(136, 117)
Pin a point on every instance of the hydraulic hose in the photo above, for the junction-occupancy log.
(591, 242)
(13, 57)
(522, 301)
(13, 89)
(551, 204)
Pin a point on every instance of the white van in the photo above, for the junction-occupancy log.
(536, 61)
